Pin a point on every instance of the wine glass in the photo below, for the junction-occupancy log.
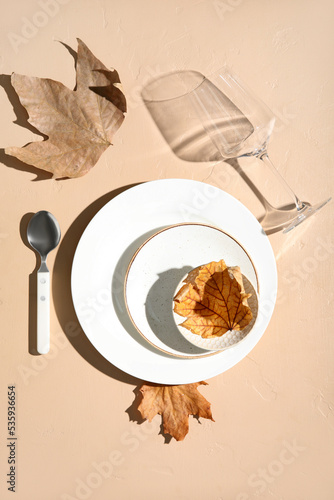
(221, 119)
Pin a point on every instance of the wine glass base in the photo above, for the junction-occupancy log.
(305, 213)
(276, 219)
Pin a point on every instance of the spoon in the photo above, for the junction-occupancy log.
(43, 235)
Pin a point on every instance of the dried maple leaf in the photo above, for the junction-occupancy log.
(213, 300)
(175, 403)
(79, 124)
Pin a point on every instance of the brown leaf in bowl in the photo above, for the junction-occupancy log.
(79, 124)
(175, 403)
(213, 300)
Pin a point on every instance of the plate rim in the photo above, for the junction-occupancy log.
(204, 371)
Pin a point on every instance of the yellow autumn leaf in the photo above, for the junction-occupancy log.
(213, 300)
(175, 403)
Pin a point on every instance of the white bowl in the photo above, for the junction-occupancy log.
(156, 270)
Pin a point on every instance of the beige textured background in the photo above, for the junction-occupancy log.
(274, 432)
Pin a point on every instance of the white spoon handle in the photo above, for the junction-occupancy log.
(43, 312)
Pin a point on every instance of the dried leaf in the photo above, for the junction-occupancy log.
(213, 300)
(175, 403)
(80, 124)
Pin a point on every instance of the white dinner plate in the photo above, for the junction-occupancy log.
(107, 247)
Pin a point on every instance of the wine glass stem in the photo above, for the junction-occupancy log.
(266, 160)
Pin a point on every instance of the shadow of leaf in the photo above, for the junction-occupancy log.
(22, 118)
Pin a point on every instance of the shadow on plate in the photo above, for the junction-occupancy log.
(62, 297)
(117, 291)
(159, 311)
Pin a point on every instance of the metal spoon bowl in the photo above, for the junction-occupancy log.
(43, 235)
